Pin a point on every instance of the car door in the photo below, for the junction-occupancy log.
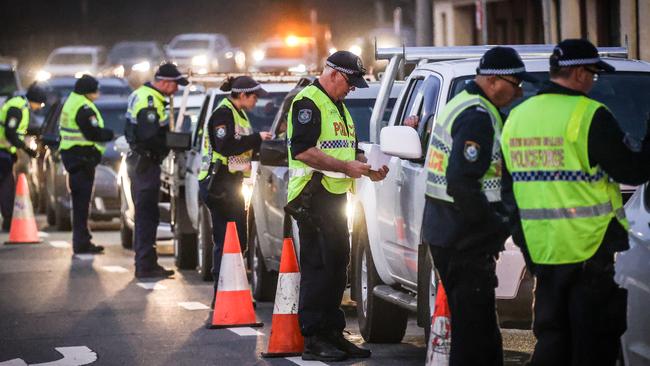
(391, 191)
(193, 163)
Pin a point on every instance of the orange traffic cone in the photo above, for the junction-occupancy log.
(233, 306)
(23, 225)
(440, 338)
(286, 339)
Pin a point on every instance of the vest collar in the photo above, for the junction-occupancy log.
(552, 88)
(157, 93)
(239, 111)
(474, 89)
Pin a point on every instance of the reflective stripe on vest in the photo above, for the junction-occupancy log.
(236, 163)
(22, 104)
(565, 204)
(337, 139)
(69, 130)
(441, 143)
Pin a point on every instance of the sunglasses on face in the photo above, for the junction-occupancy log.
(518, 84)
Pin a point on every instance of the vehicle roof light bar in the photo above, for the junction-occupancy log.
(416, 54)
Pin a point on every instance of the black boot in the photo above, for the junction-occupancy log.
(318, 348)
(351, 349)
(91, 249)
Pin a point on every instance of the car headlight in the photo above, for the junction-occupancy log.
(79, 74)
(119, 71)
(229, 54)
(143, 66)
(299, 68)
(200, 60)
(356, 49)
(258, 55)
(240, 59)
(43, 75)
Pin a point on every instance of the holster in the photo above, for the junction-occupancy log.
(300, 207)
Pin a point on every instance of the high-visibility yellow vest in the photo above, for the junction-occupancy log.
(146, 97)
(441, 143)
(337, 139)
(565, 204)
(69, 130)
(237, 163)
(22, 104)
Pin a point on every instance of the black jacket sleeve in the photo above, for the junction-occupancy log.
(87, 122)
(306, 124)
(157, 143)
(221, 130)
(469, 160)
(14, 116)
(610, 148)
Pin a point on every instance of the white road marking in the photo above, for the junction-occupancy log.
(151, 286)
(60, 244)
(193, 306)
(85, 257)
(115, 269)
(72, 356)
(299, 361)
(43, 234)
(245, 332)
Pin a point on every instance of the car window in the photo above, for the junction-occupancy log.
(8, 85)
(431, 93)
(626, 94)
(412, 95)
(114, 117)
(361, 110)
(202, 114)
(261, 117)
(191, 44)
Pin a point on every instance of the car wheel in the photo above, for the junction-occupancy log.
(62, 219)
(205, 244)
(263, 282)
(51, 215)
(379, 320)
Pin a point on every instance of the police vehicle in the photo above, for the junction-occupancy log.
(393, 269)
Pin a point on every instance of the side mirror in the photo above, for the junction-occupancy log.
(400, 141)
(274, 153)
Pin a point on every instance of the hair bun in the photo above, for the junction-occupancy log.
(227, 85)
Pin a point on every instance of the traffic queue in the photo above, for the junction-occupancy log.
(505, 194)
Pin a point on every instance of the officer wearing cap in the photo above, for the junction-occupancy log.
(463, 222)
(228, 144)
(563, 154)
(323, 163)
(14, 119)
(82, 136)
(145, 131)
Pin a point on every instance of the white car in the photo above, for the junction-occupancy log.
(73, 61)
(205, 53)
(393, 266)
(9, 82)
(291, 54)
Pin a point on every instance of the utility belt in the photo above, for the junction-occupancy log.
(224, 189)
(154, 157)
(300, 207)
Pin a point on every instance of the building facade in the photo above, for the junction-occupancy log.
(603, 22)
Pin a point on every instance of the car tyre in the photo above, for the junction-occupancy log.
(263, 282)
(185, 249)
(379, 320)
(62, 219)
(205, 244)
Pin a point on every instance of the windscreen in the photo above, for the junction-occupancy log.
(71, 59)
(261, 117)
(626, 94)
(130, 51)
(191, 44)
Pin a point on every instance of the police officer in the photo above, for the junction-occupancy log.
(14, 119)
(464, 223)
(564, 153)
(228, 143)
(82, 134)
(323, 162)
(146, 127)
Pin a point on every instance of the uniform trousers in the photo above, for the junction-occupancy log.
(7, 188)
(324, 260)
(469, 279)
(580, 313)
(81, 179)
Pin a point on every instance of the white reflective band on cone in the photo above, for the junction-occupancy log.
(23, 208)
(286, 298)
(232, 275)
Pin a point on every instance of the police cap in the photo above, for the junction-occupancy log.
(36, 94)
(169, 71)
(86, 84)
(503, 61)
(244, 84)
(578, 52)
(349, 64)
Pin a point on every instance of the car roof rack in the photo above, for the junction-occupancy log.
(219, 78)
(417, 54)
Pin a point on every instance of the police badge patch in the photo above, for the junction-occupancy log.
(12, 123)
(220, 131)
(151, 117)
(93, 121)
(471, 151)
(304, 116)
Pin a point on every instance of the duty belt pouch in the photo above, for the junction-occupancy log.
(216, 192)
(299, 208)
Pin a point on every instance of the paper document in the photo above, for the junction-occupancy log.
(376, 158)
